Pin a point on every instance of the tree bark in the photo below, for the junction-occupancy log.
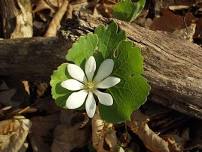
(172, 65)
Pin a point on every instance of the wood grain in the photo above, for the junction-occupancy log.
(173, 66)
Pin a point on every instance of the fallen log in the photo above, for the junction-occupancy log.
(172, 65)
(31, 58)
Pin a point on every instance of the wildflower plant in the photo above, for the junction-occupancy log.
(103, 70)
(87, 84)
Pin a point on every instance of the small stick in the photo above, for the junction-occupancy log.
(55, 23)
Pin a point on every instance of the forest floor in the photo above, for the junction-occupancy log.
(30, 120)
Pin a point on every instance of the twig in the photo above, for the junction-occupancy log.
(55, 23)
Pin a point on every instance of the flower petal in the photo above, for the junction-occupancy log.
(104, 70)
(108, 82)
(72, 85)
(90, 105)
(104, 98)
(90, 67)
(76, 99)
(76, 72)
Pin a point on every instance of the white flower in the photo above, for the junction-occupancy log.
(87, 85)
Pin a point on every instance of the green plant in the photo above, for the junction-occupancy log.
(118, 84)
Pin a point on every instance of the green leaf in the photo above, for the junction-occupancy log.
(127, 60)
(82, 49)
(59, 93)
(133, 89)
(127, 10)
(128, 96)
(108, 42)
(109, 38)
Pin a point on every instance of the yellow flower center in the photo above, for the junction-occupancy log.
(89, 86)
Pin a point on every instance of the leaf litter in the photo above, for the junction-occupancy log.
(14, 130)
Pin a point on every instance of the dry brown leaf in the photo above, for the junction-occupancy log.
(150, 139)
(111, 138)
(13, 133)
(176, 143)
(41, 130)
(55, 23)
(178, 7)
(26, 86)
(198, 33)
(68, 134)
(24, 24)
(5, 97)
(105, 9)
(170, 22)
(47, 105)
(55, 3)
(78, 5)
(41, 89)
(186, 33)
(67, 138)
(3, 85)
(195, 142)
(43, 5)
(172, 5)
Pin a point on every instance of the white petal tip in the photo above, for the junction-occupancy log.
(104, 98)
(90, 116)
(108, 82)
(76, 72)
(118, 80)
(104, 70)
(76, 99)
(90, 67)
(91, 58)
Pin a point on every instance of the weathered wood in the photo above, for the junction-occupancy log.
(31, 58)
(172, 66)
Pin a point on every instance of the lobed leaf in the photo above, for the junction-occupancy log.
(127, 60)
(59, 93)
(109, 38)
(83, 48)
(133, 89)
(128, 96)
(108, 42)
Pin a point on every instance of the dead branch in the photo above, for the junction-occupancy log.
(172, 66)
(55, 23)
